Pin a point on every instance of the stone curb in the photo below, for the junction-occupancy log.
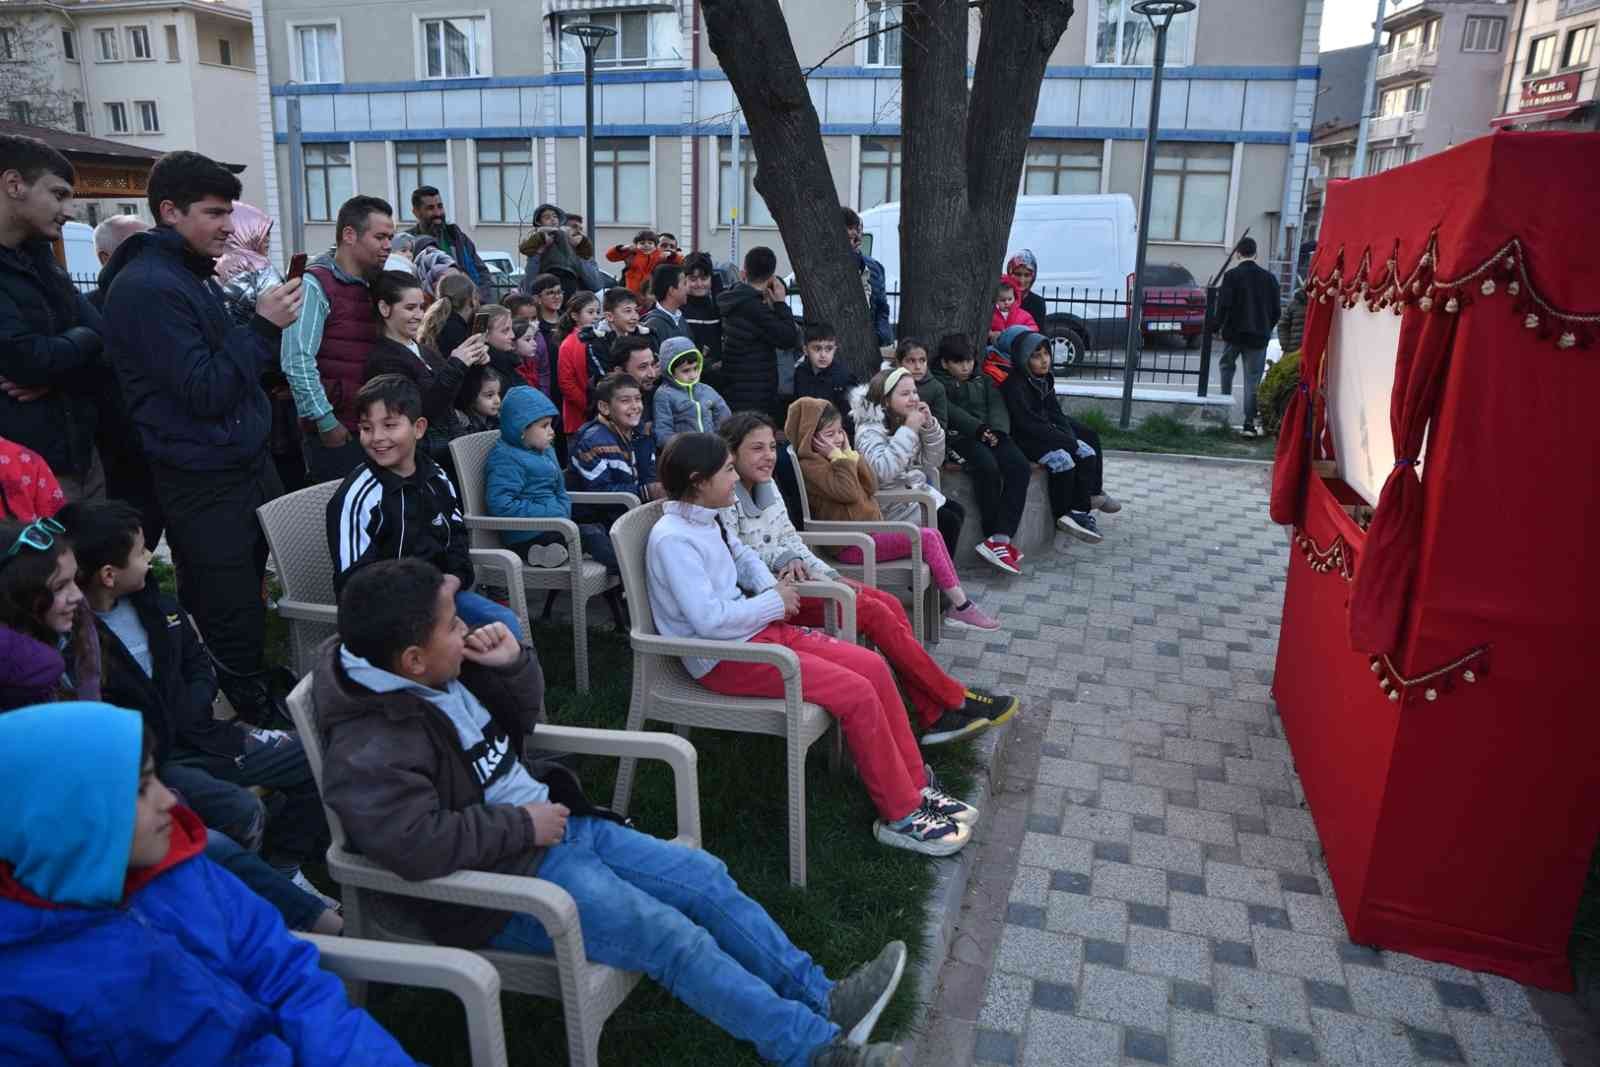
(1183, 457)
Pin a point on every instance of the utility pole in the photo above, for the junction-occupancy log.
(1359, 167)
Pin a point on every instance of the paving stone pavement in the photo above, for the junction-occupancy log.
(1150, 888)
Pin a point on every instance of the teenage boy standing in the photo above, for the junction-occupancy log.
(192, 381)
(1247, 310)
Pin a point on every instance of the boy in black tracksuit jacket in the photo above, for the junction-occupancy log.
(1039, 427)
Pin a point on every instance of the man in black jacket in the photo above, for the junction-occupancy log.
(756, 324)
(1247, 310)
(50, 335)
(191, 379)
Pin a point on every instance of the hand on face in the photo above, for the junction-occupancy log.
(491, 645)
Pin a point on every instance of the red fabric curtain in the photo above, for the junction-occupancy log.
(1382, 587)
(1293, 460)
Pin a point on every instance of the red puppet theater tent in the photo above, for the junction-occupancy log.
(1437, 673)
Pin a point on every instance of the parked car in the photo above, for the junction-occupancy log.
(1174, 304)
(499, 262)
(1086, 248)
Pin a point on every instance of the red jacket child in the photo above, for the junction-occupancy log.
(28, 488)
(640, 259)
(1008, 308)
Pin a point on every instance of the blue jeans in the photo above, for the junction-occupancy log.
(477, 611)
(298, 908)
(297, 829)
(674, 913)
(222, 806)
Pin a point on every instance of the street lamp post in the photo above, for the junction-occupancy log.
(1160, 13)
(591, 35)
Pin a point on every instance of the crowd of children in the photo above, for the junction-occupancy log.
(663, 387)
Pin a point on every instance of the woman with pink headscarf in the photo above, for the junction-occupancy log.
(1025, 269)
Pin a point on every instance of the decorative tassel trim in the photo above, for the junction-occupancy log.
(1469, 669)
(1505, 272)
(1336, 557)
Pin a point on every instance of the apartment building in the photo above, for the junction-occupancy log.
(1341, 82)
(1551, 68)
(486, 101)
(158, 75)
(1437, 78)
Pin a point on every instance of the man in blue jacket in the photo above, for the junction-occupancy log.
(875, 279)
(119, 942)
(191, 379)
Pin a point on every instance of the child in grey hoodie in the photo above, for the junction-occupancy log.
(683, 402)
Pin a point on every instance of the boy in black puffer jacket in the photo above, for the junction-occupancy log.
(756, 324)
(822, 374)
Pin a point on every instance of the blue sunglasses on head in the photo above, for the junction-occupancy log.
(39, 535)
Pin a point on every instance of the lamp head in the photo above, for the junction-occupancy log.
(590, 34)
(1161, 12)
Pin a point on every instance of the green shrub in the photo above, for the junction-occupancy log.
(1163, 428)
(1277, 386)
(1097, 420)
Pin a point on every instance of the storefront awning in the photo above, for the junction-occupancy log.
(1542, 114)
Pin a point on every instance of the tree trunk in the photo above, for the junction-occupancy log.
(751, 41)
(963, 153)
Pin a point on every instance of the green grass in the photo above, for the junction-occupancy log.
(860, 894)
(1163, 433)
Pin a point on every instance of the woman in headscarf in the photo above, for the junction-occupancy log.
(1025, 269)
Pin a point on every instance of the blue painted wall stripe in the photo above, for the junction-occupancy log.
(1115, 133)
(635, 77)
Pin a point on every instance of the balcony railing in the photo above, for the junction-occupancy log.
(1575, 7)
(1390, 126)
(1408, 60)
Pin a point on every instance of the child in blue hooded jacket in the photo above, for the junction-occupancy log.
(119, 942)
(523, 480)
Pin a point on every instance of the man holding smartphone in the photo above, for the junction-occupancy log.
(326, 349)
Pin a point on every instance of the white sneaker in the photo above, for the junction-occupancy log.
(302, 883)
(923, 831)
(552, 555)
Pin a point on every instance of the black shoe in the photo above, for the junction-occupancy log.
(998, 708)
(954, 725)
(858, 999)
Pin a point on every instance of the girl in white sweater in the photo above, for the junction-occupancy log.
(899, 438)
(706, 584)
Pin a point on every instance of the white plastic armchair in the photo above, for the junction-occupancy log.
(911, 571)
(589, 992)
(296, 525)
(663, 691)
(468, 976)
(582, 578)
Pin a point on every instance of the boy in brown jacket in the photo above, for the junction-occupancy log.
(424, 727)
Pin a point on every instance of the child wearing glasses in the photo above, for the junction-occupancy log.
(44, 615)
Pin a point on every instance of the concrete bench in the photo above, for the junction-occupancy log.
(1037, 531)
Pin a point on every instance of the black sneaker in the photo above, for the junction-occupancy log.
(998, 708)
(923, 831)
(839, 1054)
(1080, 524)
(953, 808)
(859, 998)
(953, 726)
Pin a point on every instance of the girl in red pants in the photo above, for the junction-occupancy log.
(946, 710)
(697, 575)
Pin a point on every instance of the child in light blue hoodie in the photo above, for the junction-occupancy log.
(524, 481)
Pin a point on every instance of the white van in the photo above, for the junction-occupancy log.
(77, 240)
(1086, 250)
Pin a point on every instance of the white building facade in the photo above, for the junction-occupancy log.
(486, 102)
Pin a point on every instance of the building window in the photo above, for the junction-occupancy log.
(883, 22)
(125, 208)
(328, 181)
(505, 181)
(419, 163)
(1189, 201)
(455, 47)
(171, 33)
(643, 39)
(880, 172)
(753, 210)
(1382, 159)
(117, 114)
(1484, 33)
(80, 116)
(318, 53)
(106, 47)
(149, 117)
(225, 51)
(1430, 35)
(69, 44)
(1123, 37)
(1053, 168)
(1580, 46)
(1541, 54)
(139, 42)
(20, 112)
(8, 43)
(622, 179)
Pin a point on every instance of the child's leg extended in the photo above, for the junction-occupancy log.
(725, 958)
(856, 688)
(882, 619)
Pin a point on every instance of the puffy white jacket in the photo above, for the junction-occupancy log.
(761, 521)
(904, 459)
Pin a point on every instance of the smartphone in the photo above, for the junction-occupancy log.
(297, 266)
(480, 322)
